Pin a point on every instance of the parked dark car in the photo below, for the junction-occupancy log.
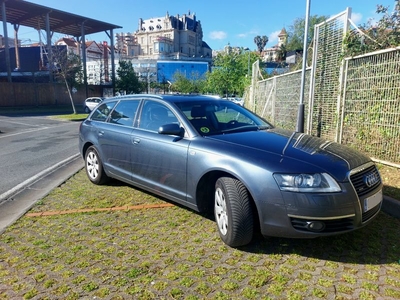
(213, 155)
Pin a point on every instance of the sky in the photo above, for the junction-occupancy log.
(223, 22)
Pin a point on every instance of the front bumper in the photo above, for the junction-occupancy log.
(302, 215)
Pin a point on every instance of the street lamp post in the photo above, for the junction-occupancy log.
(300, 113)
(148, 81)
(248, 61)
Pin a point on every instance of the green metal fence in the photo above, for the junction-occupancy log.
(355, 101)
(370, 118)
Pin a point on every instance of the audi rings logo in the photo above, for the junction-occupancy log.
(371, 179)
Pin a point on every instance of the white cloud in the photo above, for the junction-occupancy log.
(356, 17)
(273, 37)
(247, 34)
(217, 35)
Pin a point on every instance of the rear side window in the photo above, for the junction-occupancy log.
(124, 113)
(154, 115)
(102, 112)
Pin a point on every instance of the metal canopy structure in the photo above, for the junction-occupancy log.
(20, 12)
(33, 15)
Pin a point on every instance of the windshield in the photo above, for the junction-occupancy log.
(221, 117)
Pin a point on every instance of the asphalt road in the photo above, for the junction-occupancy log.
(37, 154)
(31, 145)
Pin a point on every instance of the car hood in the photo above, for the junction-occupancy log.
(301, 147)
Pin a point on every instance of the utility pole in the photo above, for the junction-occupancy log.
(300, 113)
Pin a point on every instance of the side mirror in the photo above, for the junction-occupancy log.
(172, 129)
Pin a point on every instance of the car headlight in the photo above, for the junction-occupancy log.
(307, 183)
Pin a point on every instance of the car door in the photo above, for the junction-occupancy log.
(114, 137)
(159, 161)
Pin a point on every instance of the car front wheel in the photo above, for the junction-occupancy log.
(233, 213)
(94, 167)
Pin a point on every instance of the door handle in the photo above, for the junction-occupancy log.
(101, 132)
(135, 141)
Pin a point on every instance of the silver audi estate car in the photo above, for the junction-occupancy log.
(213, 155)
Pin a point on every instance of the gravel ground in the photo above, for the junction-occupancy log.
(174, 253)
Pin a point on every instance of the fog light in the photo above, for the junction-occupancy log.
(315, 226)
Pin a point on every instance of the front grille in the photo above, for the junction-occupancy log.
(364, 182)
(369, 214)
(336, 225)
(361, 183)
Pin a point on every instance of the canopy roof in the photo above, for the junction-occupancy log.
(28, 14)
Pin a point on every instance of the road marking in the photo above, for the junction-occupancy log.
(32, 130)
(19, 123)
(22, 132)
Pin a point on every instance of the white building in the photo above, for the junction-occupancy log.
(168, 37)
(271, 54)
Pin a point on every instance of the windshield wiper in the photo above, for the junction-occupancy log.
(241, 129)
(263, 127)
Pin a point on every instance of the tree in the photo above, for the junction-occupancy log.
(375, 36)
(295, 40)
(281, 55)
(229, 75)
(127, 80)
(194, 84)
(67, 68)
(261, 42)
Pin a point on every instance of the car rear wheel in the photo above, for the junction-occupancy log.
(87, 110)
(233, 213)
(94, 167)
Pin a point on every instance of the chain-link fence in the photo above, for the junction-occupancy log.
(355, 101)
(328, 41)
(371, 105)
(277, 98)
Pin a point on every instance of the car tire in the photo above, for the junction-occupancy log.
(87, 110)
(233, 212)
(94, 167)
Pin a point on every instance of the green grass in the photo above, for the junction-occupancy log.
(175, 253)
(70, 117)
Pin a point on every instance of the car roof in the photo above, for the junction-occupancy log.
(167, 97)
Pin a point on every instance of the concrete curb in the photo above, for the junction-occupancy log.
(5, 196)
(391, 206)
(22, 198)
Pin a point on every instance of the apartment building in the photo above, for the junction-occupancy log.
(168, 37)
(271, 54)
(157, 49)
